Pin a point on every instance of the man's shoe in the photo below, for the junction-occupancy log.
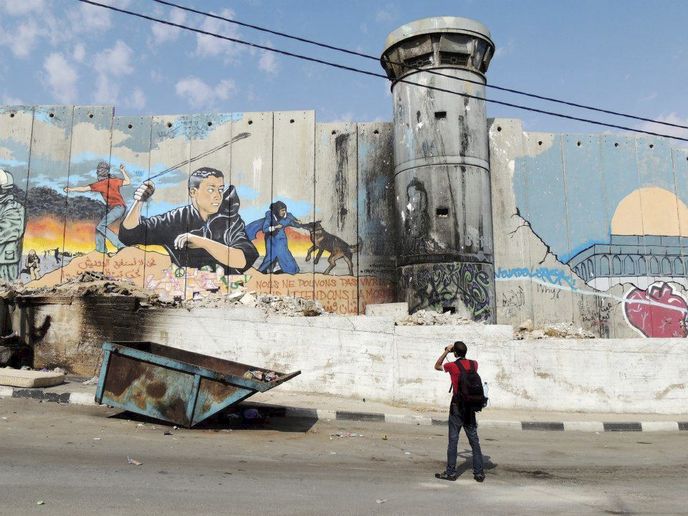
(480, 477)
(445, 476)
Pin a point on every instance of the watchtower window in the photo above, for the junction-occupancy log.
(452, 58)
(419, 61)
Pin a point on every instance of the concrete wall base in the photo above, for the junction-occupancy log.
(370, 357)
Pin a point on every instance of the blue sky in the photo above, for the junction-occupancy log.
(624, 55)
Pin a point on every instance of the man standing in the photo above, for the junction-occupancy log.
(11, 229)
(109, 187)
(207, 232)
(460, 415)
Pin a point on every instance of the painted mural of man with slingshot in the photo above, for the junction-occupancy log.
(208, 232)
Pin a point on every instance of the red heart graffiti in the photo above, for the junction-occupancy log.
(657, 311)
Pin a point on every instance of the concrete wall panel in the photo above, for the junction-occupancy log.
(376, 220)
(251, 165)
(16, 124)
(293, 183)
(131, 143)
(48, 175)
(336, 194)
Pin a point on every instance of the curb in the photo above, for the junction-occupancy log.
(85, 398)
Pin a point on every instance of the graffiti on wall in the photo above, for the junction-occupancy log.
(658, 311)
(152, 202)
(441, 286)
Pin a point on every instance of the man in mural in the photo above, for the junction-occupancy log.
(32, 265)
(207, 232)
(459, 414)
(109, 187)
(278, 258)
(11, 229)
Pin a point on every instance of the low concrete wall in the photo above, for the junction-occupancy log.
(370, 357)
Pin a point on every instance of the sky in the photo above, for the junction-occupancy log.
(622, 55)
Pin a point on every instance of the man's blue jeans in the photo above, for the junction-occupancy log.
(455, 424)
(103, 232)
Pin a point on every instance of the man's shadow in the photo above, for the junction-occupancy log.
(467, 464)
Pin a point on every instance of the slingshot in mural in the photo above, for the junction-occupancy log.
(208, 232)
(12, 216)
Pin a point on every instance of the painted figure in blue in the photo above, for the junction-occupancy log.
(278, 258)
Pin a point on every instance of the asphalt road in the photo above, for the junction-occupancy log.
(74, 459)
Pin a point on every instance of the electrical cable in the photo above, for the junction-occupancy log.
(378, 75)
(433, 72)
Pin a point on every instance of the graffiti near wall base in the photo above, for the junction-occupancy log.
(441, 286)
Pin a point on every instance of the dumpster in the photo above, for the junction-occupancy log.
(176, 385)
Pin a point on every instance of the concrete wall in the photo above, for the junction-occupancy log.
(372, 358)
(332, 174)
(591, 229)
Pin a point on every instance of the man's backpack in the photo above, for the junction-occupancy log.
(471, 395)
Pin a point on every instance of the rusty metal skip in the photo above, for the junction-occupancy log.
(176, 385)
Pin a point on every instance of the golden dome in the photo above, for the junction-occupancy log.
(651, 211)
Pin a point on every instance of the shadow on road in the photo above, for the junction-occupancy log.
(244, 416)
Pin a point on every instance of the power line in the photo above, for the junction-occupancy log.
(433, 72)
(373, 74)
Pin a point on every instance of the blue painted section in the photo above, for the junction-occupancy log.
(569, 193)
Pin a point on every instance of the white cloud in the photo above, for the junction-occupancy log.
(61, 78)
(9, 100)
(164, 33)
(87, 18)
(210, 46)
(200, 94)
(137, 99)
(268, 61)
(387, 15)
(111, 65)
(79, 53)
(115, 60)
(23, 38)
(22, 7)
(671, 118)
(503, 51)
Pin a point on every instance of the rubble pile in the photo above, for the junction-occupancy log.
(430, 318)
(84, 285)
(271, 304)
(554, 331)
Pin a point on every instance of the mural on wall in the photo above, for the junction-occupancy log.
(178, 204)
(603, 220)
(11, 228)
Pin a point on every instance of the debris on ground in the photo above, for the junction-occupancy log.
(91, 381)
(381, 500)
(345, 434)
(431, 318)
(270, 304)
(133, 462)
(553, 331)
(267, 376)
